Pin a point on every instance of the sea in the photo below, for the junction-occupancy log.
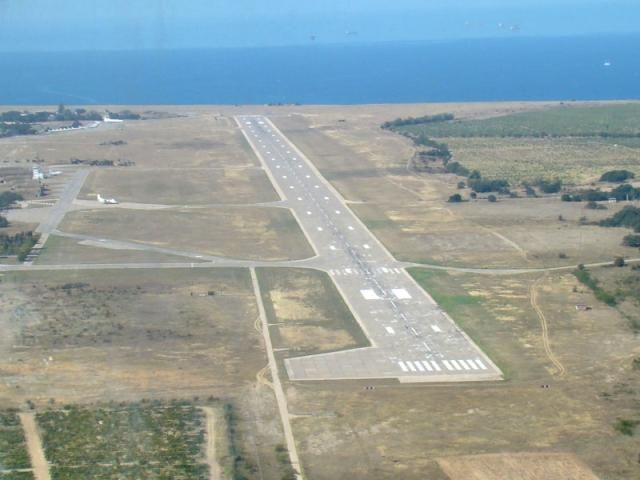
(515, 68)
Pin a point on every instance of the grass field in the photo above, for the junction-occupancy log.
(61, 250)
(182, 187)
(561, 121)
(573, 160)
(238, 232)
(204, 140)
(394, 430)
(307, 312)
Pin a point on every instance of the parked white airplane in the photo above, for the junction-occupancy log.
(54, 173)
(108, 119)
(37, 174)
(110, 201)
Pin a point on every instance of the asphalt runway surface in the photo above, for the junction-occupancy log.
(412, 339)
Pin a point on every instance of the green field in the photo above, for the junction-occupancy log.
(13, 450)
(564, 121)
(130, 442)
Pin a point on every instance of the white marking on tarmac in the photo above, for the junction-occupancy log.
(367, 247)
(390, 330)
(473, 365)
(419, 366)
(403, 367)
(447, 365)
(480, 364)
(435, 328)
(411, 367)
(401, 293)
(320, 229)
(435, 365)
(455, 365)
(369, 295)
(427, 366)
(464, 365)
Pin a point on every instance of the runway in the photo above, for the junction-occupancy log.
(412, 339)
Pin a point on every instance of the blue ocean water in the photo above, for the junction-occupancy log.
(474, 70)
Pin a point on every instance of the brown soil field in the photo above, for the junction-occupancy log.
(524, 466)
(238, 232)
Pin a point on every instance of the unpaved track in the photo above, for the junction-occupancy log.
(533, 295)
(277, 386)
(34, 446)
(212, 461)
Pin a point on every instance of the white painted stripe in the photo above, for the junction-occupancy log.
(435, 365)
(403, 367)
(419, 366)
(480, 364)
(390, 330)
(291, 187)
(348, 271)
(427, 366)
(299, 198)
(397, 270)
(326, 198)
(447, 365)
(331, 272)
(332, 247)
(316, 186)
(384, 270)
(464, 365)
(338, 212)
(435, 328)
(350, 227)
(367, 247)
(473, 365)
(308, 213)
(320, 229)
(456, 365)
(411, 367)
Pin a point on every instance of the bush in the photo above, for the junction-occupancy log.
(457, 168)
(461, 185)
(631, 241)
(591, 205)
(617, 176)
(618, 262)
(455, 198)
(485, 186)
(492, 198)
(3, 222)
(627, 217)
(550, 187)
(8, 198)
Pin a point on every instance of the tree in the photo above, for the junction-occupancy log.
(619, 262)
(492, 198)
(455, 198)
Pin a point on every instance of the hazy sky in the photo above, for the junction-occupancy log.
(132, 24)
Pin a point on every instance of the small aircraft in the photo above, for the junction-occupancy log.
(108, 201)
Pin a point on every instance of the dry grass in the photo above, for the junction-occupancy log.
(238, 232)
(100, 335)
(523, 466)
(187, 187)
(345, 430)
(307, 313)
(64, 251)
